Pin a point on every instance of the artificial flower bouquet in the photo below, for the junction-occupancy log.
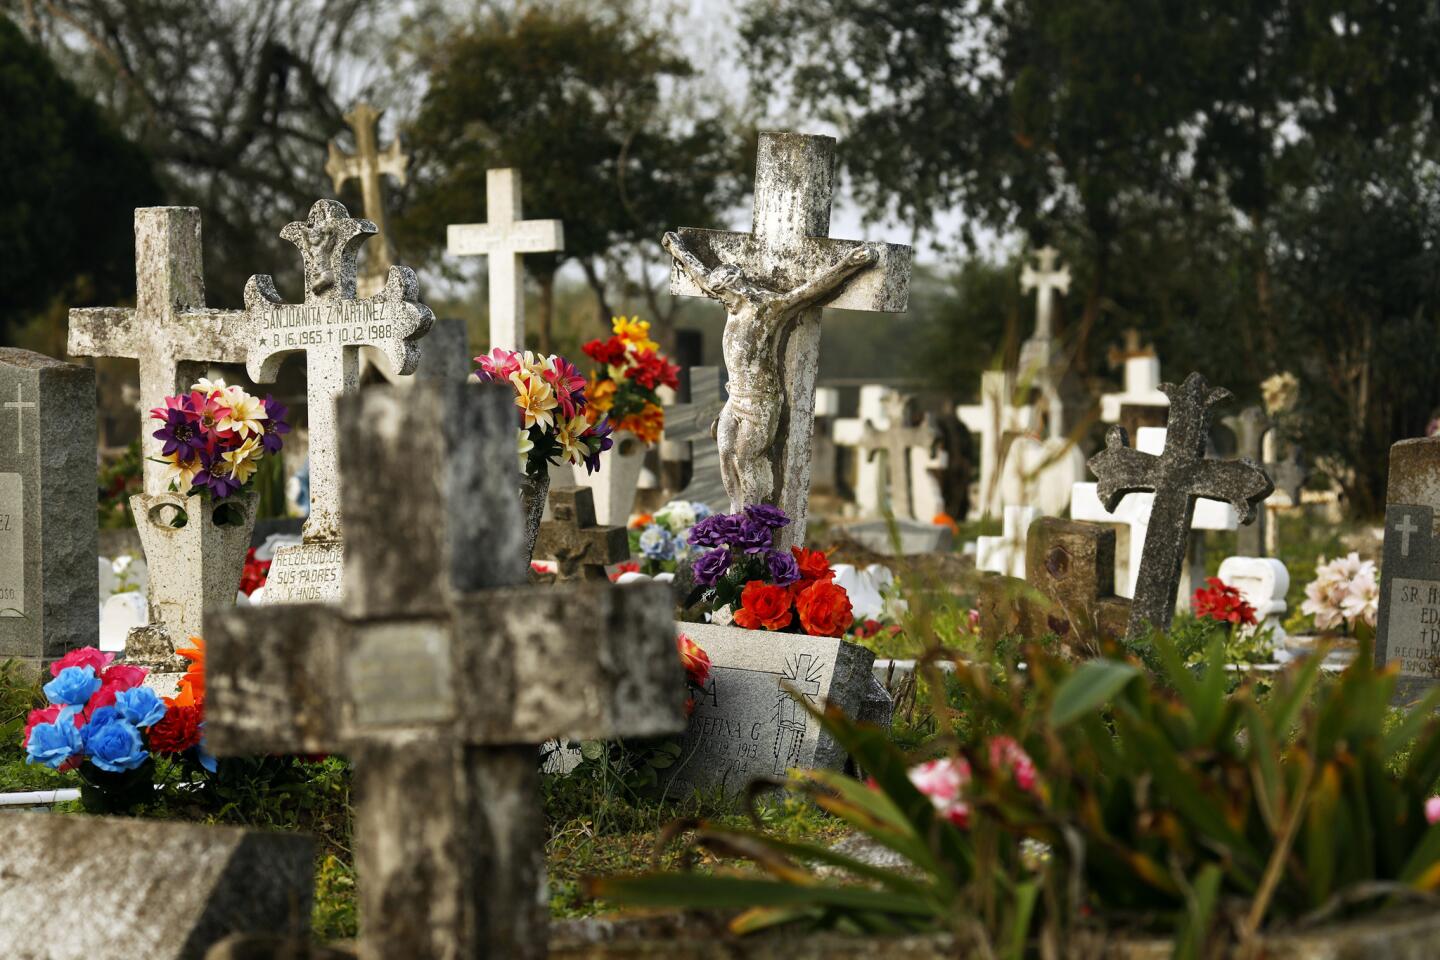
(1247, 641)
(1344, 593)
(215, 436)
(631, 370)
(662, 538)
(749, 583)
(554, 421)
(103, 723)
(255, 573)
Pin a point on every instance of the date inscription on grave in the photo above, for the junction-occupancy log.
(1414, 627)
(12, 546)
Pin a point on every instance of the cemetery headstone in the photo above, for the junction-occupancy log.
(1179, 476)
(747, 721)
(1408, 629)
(580, 547)
(437, 675)
(47, 507)
(368, 164)
(503, 239)
(772, 280)
(1067, 590)
(329, 328)
(1263, 582)
(81, 887)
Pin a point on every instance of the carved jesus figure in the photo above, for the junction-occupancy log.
(758, 319)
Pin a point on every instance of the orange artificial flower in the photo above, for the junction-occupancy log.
(192, 685)
(824, 609)
(694, 659)
(764, 605)
(647, 425)
(943, 519)
(641, 520)
(599, 397)
(814, 567)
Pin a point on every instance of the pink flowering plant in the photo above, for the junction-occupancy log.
(1344, 593)
(550, 395)
(215, 436)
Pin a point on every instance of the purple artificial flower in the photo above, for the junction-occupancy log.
(597, 441)
(275, 426)
(783, 568)
(717, 530)
(767, 516)
(181, 432)
(753, 537)
(711, 567)
(214, 475)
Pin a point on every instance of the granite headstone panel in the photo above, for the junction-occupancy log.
(1409, 625)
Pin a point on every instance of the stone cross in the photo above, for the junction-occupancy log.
(504, 238)
(848, 432)
(580, 547)
(1178, 476)
(170, 330)
(774, 279)
(896, 440)
(329, 328)
(368, 164)
(692, 423)
(48, 591)
(441, 673)
(1250, 427)
(1006, 553)
(1045, 281)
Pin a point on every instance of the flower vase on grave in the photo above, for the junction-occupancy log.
(195, 550)
(534, 490)
(614, 487)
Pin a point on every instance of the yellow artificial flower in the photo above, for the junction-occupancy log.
(245, 414)
(535, 398)
(568, 436)
(635, 332)
(245, 460)
(181, 472)
(537, 364)
(523, 446)
(599, 395)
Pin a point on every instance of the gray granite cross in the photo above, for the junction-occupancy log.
(1250, 426)
(368, 164)
(441, 673)
(788, 246)
(693, 423)
(170, 331)
(1179, 476)
(580, 547)
(896, 440)
(330, 327)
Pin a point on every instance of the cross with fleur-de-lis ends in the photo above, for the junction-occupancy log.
(330, 327)
(1179, 476)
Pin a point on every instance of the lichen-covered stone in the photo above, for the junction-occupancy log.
(580, 547)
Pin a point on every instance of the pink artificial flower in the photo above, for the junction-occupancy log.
(1005, 752)
(1432, 810)
(569, 386)
(124, 676)
(944, 782)
(499, 364)
(83, 657)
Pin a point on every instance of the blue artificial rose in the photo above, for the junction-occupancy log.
(657, 543)
(72, 686)
(701, 510)
(140, 705)
(783, 568)
(711, 567)
(54, 743)
(114, 743)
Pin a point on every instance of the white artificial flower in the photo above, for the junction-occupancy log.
(121, 563)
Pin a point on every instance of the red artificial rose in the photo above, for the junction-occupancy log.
(651, 370)
(83, 657)
(814, 564)
(609, 352)
(824, 609)
(694, 659)
(124, 676)
(1222, 602)
(764, 605)
(178, 730)
(255, 573)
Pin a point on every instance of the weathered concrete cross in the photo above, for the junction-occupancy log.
(1178, 476)
(896, 440)
(787, 247)
(440, 674)
(503, 238)
(19, 405)
(367, 164)
(1045, 281)
(580, 547)
(170, 330)
(692, 424)
(330, 327)
(1250, 427)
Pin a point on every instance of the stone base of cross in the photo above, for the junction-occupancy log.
(440, 674)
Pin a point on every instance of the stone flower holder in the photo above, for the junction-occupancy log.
(195, 550)
(534, 492)
(615, 483)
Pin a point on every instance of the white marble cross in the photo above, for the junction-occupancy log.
(1045, 281)
(503, 238)
(19, 405)
(1005, 554)
(170, 330)
(897, 438)
(849, 431)
(330, 327)
(367, 164)
(789, 245)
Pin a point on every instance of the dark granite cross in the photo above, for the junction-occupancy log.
(1179, 476)
(440, 673)
(580, 547)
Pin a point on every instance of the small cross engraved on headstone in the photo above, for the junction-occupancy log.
(368, 164)
(1178, 476)
(329, 327)
(580, 547)
(437, 675)
(503, 238)
(170, 330)
(1405, 528)
(774, 279)
(20, 405)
